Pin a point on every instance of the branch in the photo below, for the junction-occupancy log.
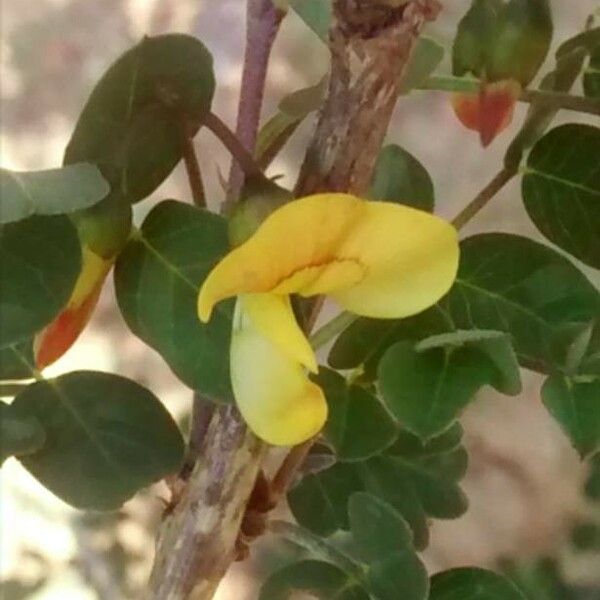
(556, 100)
(241, 156)
(192, 167)
(483, 197)
(370, 50)
(370, 47)
(262, 25)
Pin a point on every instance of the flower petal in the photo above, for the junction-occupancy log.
(378, 259)
(272, 315)
(411, 258)
(276, 398)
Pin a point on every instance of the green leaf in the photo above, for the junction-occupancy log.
(41, 259)
(293, 109)
(470, 583)
(11, 366)
(157, 279)
(400, 177)
(425, 58)
(133, 123)
(324, 580)
(522, 40)
(50, 192)
(561, 189)
(106, 437)
(316, 14)
(384, 541)
(418, 480)
(505, 283)
(357, 424)
(474, 36)
(426, 391)
(591, 76)
(19, 435)
(495, 345)
(575, 405)
(569, 60)
(497, 41)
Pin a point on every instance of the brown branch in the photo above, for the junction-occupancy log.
(192, 166)
(483, 197)
(239, 153)
(262, 25)
(371, 44)
(370, 49)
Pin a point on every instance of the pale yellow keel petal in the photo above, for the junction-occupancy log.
(411, 258)
(273, 316)
(277, 400)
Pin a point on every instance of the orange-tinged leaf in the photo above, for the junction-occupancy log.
(55, 339)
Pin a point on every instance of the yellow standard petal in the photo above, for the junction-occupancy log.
(377, 259)
(277, 400)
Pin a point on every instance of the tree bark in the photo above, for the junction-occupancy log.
(371, 42)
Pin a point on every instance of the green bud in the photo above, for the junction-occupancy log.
(105, 227)
(259, 198)
(522, 41)
(499, 40)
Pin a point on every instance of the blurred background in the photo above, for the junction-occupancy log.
(525, 483)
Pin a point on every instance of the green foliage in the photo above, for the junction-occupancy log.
(316, 14)
(574, 404)
(18, 435)
(133, 123)
(426, 57)
(384, 541)
(427, 385)
(320, 578)
(384, 564)
(105, 438)
(400, 177)
(12, 366)
(418, 479)
(497, 40)
(357, 424)
(591, 77)
(41, 259)
(472, 584)
(569, 59)
(561, 190)
(50, 192)
(505, 283)
(157, 278)
(293, 109)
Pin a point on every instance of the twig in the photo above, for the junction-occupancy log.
(483, 197)
(557, 100)
(262, 25)
(192, 167)
(230, 141)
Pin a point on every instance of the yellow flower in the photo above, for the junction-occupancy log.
(376, 259)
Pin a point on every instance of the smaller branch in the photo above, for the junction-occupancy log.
(582, 104)
(231, 142)
(331, 329)
(484, 196)
(262, 24)
(557, 100)
(192, 167)
(287, 470)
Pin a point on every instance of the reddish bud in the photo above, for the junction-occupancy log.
(490, 111)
